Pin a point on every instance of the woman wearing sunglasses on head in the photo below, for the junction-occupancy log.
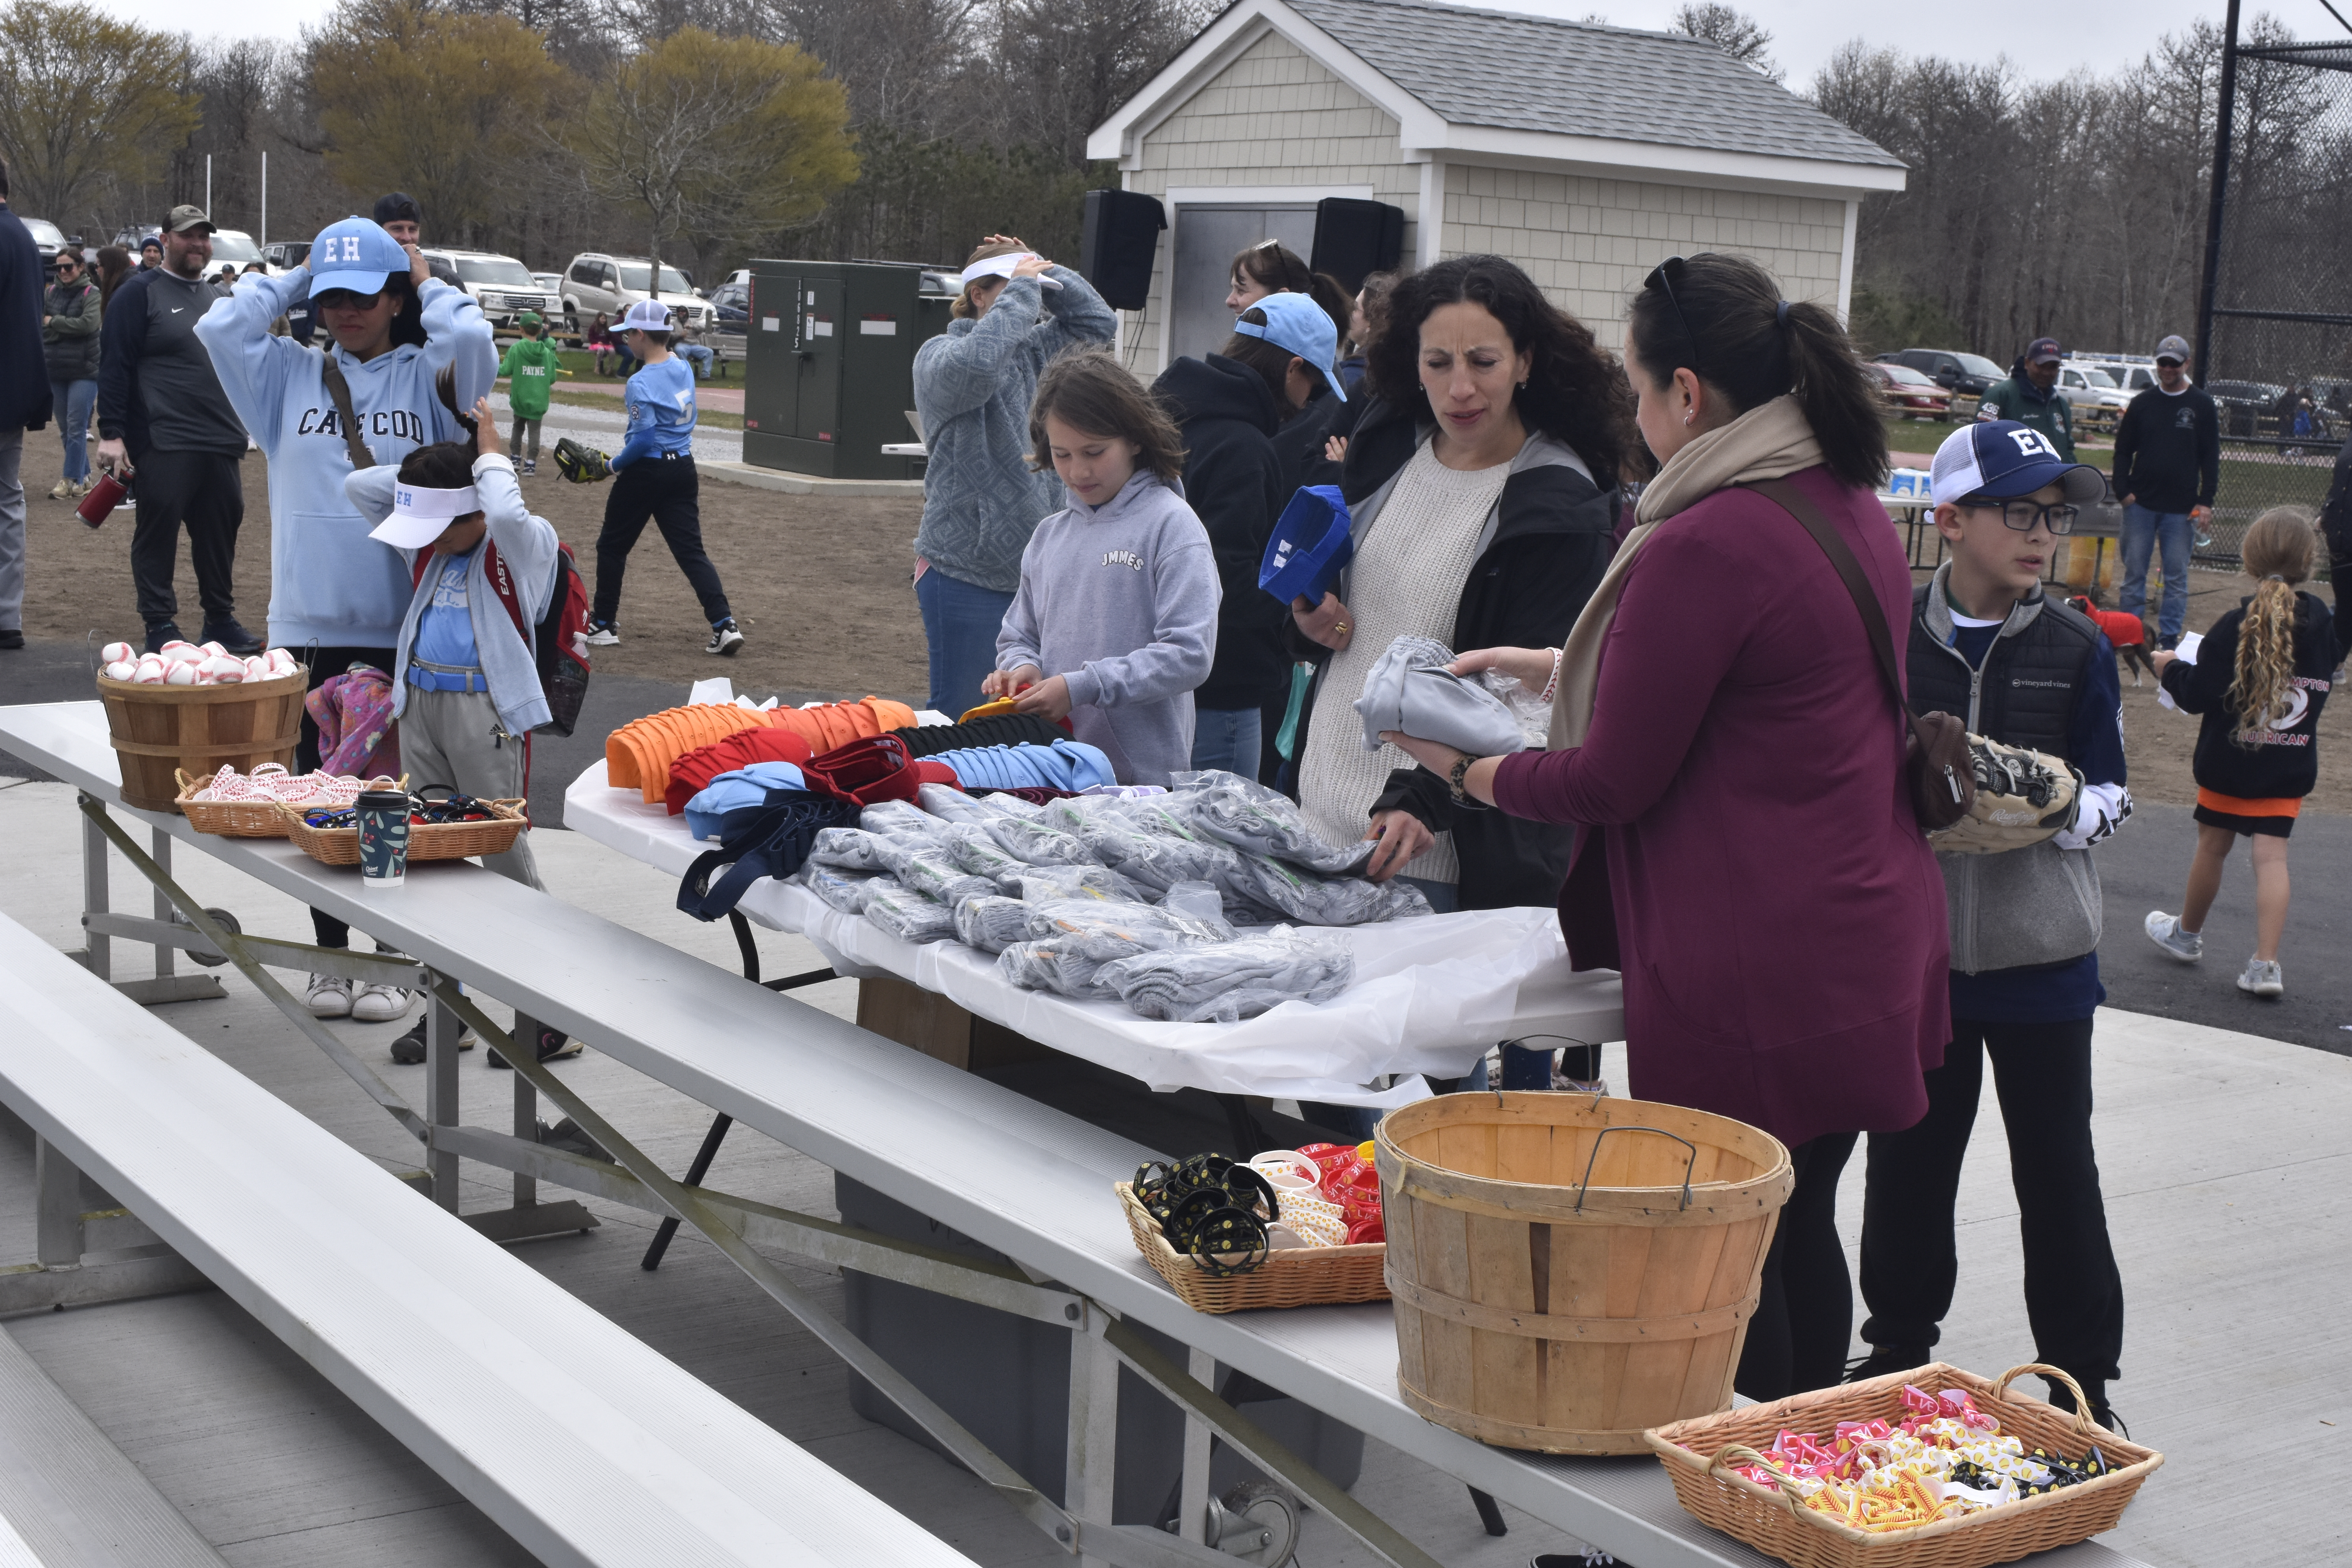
(1747, 857)
(336, 596)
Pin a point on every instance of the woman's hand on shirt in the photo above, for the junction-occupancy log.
(1401, 836)
(1532, 667)
(1327, 623)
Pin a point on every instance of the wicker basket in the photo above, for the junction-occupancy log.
(1290, 1277)
(1775, 1522)
(235, 819)
(158, 731)
(427, 841)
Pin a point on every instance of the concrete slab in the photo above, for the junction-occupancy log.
(793, 484)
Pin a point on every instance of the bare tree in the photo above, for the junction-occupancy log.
(1734, 32)
(85, 100)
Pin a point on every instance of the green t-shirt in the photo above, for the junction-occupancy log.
(531, 366)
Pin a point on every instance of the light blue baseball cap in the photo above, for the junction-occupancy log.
(354, 253)
(1295, 322)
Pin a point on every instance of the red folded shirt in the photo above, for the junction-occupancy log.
(692, 773)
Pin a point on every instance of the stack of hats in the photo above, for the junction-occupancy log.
(638, 755)
(1065, 765)
(997, 730)
(692, 773)
(838, 723)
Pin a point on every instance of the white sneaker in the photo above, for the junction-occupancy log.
(329, 996)
(2164, 930)
(602, 636)
(2262, 978)
(377, 1003)
(724, 640)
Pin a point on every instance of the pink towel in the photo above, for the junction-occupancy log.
(357, 733)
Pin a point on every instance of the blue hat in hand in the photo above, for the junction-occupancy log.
(1295, 322)
(354, 253)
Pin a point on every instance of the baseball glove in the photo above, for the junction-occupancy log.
(580, 465)
(2023, 797)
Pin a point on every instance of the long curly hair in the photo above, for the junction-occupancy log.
(2279, 550)
(1574, 393)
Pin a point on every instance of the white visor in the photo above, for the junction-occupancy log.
(421, 514)
(1002, 267)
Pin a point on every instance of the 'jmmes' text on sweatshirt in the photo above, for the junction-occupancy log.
(329, 582)
(1120, 600)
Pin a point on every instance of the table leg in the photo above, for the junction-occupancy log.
(1091, 1467)
(1192, 1504)
(526, 1113)
(441, 1031)
(98, 950)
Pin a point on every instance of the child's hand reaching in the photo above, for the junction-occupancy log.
(1006, 682)
(1049, 697)
(486, 427)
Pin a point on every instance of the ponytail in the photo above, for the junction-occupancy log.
(2280, 548)
(446, 465)
(1725, 322)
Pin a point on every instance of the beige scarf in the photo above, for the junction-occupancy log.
(1767, 442)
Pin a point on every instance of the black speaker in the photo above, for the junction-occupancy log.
(1355, 237)
(1116, 247)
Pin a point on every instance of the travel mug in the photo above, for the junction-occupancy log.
(384, 837)
(104, 496)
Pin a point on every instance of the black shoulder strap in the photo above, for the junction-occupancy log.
(340, 391)
(1797, 504)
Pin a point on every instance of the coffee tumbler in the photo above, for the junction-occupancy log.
(103, 497)
(384, 837)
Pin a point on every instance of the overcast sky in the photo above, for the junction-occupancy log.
(2043, 38)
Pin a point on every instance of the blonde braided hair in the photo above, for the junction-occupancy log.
(2279, 550)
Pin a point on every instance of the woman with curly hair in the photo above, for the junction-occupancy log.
(2259, 680)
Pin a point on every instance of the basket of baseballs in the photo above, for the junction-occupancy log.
(196, 708)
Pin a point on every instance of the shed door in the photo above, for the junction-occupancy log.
(1207, 237)
(820, 360)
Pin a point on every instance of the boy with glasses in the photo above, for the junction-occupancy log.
(2018, 666)
(2167, 464)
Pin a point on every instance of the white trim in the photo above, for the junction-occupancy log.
(1258, 195)
(1607, 158)
(1429, 229)
(1845, 261)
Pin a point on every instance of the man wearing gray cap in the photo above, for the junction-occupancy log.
(2167, 464)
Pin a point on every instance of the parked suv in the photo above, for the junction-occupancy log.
(285, 255)
(2099, 402)
(502, 286)
(2132, 374)
(1961, 373)
(611, 284)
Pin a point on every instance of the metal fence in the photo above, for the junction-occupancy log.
(2256, 475)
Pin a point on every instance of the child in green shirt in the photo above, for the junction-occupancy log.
(531, 367)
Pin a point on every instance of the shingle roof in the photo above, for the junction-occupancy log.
(1581, 78)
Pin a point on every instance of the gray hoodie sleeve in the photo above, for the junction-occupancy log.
(955, 375)
(1185, 592)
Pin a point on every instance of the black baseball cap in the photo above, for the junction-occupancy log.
(398, 208)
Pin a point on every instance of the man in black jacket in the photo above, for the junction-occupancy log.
(2335, 524)
(2167, 464)
(162, 415)
(24, 402)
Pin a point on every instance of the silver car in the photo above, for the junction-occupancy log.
(503, 287)
(596, 283)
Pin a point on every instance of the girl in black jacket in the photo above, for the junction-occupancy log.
(2259, 680)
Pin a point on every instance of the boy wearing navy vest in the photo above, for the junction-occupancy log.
(2017, 664)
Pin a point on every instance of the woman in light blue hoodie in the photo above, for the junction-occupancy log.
(336, 596)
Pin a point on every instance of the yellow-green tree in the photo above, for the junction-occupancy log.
(723, 139)
(85, 98)
(433, 103)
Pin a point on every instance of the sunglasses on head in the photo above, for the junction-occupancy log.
(1663, 276)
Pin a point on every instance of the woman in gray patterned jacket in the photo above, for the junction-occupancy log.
(980, 501)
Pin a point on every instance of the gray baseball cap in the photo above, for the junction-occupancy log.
(184, 217)
(2173, 347)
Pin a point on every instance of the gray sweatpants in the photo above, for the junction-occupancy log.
(12, 531)
(453, 740)
(524, 442)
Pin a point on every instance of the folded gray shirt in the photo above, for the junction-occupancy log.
(1411, 690)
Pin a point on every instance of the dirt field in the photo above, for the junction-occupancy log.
(820, 588)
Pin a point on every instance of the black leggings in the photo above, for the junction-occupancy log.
(326, 663)
(1804, 1311)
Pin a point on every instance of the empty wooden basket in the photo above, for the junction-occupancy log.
(1571, 1269)
(159, 730)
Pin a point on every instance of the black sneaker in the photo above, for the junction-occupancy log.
(161, 632)
(233, 637)
(409, 1049)
(530, 465)
(724, 640)
(554, 1045)
(10, 639)
(1883, 1359)
(1591, 1557)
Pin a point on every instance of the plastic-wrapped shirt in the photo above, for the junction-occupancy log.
(1411, 690)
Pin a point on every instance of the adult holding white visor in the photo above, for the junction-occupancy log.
(981, 501)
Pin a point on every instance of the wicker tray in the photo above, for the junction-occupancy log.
(427, 841)
(1775, 1522)
(235, 819)
(1292, 1277)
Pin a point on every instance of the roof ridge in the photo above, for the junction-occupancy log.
(1578, 22)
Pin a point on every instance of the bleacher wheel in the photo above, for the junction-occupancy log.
(1257, 1521)
(206, 955)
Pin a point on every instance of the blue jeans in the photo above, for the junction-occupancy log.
(961, 621)
(2143, 530)
(699, 357)
(70, 403)
(1226, 738)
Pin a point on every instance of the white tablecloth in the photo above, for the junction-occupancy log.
(1431, 992)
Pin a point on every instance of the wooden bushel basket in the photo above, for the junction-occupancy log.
(1570, 1270)
(160, 730)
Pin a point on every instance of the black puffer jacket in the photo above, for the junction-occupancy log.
(2282, 761)
(24, 395)
(1232, 482)
(1549, 542)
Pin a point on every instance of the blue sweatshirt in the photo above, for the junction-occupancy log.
(329, 582)
(1120, 600)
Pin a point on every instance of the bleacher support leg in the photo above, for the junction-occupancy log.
(59, 1240)
(98, 951)
(1090, 1471)
(526, 1114)
(441, 1032)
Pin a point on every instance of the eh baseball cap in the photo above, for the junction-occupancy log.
(2043, 351)
(1295, 322)
(2000, 459)
(184, 217)
(354, 253)
(647, 316)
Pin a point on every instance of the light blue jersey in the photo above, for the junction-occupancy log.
(660, 402)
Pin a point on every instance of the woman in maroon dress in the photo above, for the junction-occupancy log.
(1723, 738)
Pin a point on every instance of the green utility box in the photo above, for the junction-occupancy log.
(829, 371)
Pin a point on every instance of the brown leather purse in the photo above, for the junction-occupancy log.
(1938, 769)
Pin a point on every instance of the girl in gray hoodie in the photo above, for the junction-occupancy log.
(1119, 590)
